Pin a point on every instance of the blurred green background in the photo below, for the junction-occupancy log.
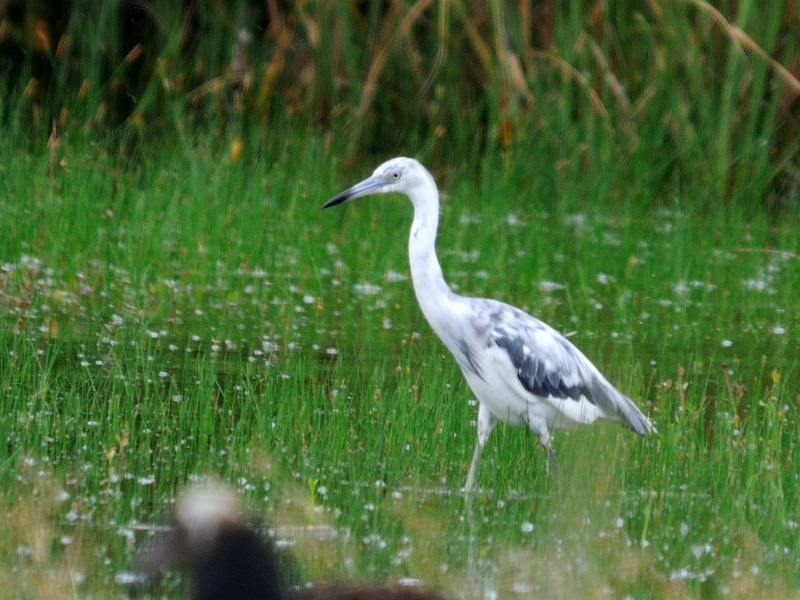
(697, 91)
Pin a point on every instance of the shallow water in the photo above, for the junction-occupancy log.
(320, 383)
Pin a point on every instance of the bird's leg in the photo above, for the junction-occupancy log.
(552, 463)
(473, 469)
(472, 557)
(546, 440)
(486, 423)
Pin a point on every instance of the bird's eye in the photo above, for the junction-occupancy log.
(395, 175)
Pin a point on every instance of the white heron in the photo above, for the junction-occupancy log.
(522, 371)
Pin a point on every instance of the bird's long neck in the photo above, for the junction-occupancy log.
(426, 272)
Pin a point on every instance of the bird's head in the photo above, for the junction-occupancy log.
(403, 175)
(202, 511)
(203, 514)
(225, 555)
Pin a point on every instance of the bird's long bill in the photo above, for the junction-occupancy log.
(369, 186)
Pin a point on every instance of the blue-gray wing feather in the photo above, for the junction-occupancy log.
(548, 365)
(557, 381)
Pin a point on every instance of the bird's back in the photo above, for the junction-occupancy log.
(502, 351)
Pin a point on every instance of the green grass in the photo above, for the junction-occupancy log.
(692, 89)
(189, 315)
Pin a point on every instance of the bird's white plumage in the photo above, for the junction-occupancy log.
(521, 370)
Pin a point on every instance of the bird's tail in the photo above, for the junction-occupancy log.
(637, 421)
(615, 403)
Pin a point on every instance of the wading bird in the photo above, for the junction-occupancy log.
(228, 559)
(521, 370)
